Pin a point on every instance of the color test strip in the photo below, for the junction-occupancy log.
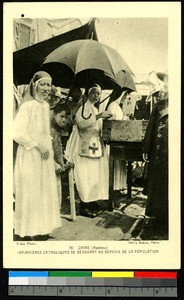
(28, 274)
(69, 274)
(18, 281)
(155, 275)
(56, 281)
(95, 274)
(92, 281)
(113, 274)
(37, 281)
(75, 281)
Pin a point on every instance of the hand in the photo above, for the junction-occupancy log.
(43, 151)
(58, 171)
(59, 167)
(62, 166)
(106, 115)
(145, 157)
(69, 165)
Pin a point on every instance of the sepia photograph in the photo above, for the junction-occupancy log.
(91, 136)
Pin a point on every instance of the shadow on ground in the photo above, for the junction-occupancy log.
(125, 222)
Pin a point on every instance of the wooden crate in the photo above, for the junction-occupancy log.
(124, 131)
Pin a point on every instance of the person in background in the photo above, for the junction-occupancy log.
(120, 170)
(75, 100)
(86, 150)
(155, 152)
(59, 121)
(129, 104)
(36, 201)
(55, 97)
(142, 108)
(129, 109)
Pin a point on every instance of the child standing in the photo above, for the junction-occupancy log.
(59, 122)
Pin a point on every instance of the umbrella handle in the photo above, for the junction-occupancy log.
(109, 96)
(104, 99)
(82, 113)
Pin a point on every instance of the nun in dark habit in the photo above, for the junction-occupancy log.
(155, 152)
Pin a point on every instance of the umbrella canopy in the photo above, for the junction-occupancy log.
(81, 55)
(125, 80)
(86, 59)
(27, 61)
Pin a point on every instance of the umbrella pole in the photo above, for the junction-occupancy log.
(82, 113)
(72, 194)
(70, 88)
(109, 102)
(104, 99)
(151, 104)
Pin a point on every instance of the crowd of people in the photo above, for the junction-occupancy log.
(41, 158)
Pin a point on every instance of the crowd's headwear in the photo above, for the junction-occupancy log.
(135, 94)
(57, 96)
(90, 88)
(37, 77)
(162, 76)
(60, 93)
(94, 86)
(164, 89)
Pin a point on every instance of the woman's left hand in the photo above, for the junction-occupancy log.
(106, 115)
(43, 151)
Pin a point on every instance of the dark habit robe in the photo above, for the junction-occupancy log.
(156, 145)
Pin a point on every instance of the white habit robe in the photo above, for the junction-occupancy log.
(86, 150)
(120, 171)
(36, 199)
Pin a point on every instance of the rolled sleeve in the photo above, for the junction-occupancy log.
(20, 132)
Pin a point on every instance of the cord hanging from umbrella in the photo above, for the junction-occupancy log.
(82, 113)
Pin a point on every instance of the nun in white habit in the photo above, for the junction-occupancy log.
(36, 201)
(86, 150)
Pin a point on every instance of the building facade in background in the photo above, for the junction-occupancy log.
(28, 32)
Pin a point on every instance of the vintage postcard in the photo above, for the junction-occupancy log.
(91, 135)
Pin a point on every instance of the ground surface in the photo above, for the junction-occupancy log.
(125, 222)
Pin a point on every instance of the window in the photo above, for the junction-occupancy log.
(24, 36)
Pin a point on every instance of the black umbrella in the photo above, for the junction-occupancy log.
(27, 61)
(89, 61)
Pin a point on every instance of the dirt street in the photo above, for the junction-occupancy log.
(125, 222)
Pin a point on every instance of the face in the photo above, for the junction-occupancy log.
(43, 88)
(94, 95)
(163, 93)
(61, 119)
(128, 97)
(133, 97)
(123, 98)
